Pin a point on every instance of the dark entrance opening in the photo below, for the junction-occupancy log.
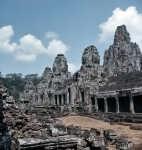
(56, 99)
(64, 98)
(0, 96)
(101, 104)
(41, 97)
(69, 95)
(111, 104)
(36, 99)
(60, 100)
(137, 104)
(93, 100)
(82, 96)
(124, 104)
(4, 97)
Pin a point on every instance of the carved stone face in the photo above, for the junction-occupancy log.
(90, 55)
(60, 65)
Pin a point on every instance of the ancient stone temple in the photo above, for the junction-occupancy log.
(114, 87)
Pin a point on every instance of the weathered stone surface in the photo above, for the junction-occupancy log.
(123, 56)
(5, 142)
(50, 143)
(60, 67)
(58, 129)
(110, 134)
(124, 143)
(98, 142)
(86, 134)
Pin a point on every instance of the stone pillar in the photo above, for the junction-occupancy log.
(86, 97)
(57, 99)
(62, 99)
(67, 97)
(71, 99)
(131, 104)
(54, 99)
(117, 104)
(80, 97)
(39, 99)
(96, 103)
(105, 105)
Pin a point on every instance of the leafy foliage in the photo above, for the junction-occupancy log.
(15, 83)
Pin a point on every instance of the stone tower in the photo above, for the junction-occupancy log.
(123, 56)
(60, 67)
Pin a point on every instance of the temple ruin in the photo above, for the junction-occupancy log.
(114, 87)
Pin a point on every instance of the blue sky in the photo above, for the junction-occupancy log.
(33, 32)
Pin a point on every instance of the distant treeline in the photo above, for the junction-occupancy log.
(15, 83)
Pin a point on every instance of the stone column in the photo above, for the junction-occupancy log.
(131, 104)
(67, 97)
(86, 97)
(96, 103)
(62, 100)
(39, 99)
(80, 97)
(117, 104)
(105, 105)
(71, 99)
(57, 99)
(54, 99)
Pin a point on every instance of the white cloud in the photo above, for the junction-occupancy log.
(51, 35)
(130, 17)
(73, 68)
(6, 33)
(25, 57)
(29, 46)
(56, 47)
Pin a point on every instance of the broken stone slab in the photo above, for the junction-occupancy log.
(81, 142)
(52, 142)
(58, 129)
(82, 148)
(70, 130)
(124, 143)
(86, 134)
(77, 130)
(110, 134)
(98, 142)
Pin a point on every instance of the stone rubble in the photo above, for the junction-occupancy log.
(31, 131)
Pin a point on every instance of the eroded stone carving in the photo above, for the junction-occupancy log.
(123, 56)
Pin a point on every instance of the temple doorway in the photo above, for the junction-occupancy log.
(101, 107)
(124, 104)
(111, 104)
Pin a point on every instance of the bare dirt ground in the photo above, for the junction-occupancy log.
(87, 123)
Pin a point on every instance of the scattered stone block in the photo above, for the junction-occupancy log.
(124, 143)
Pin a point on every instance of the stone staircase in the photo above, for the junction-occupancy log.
(119, 117)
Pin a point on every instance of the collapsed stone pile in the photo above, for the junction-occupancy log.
(30, 131)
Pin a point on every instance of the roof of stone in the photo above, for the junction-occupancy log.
(124, 81)
(61, 88)
(68, 81)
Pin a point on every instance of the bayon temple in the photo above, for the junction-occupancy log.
(115, 86)
(111, 92)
